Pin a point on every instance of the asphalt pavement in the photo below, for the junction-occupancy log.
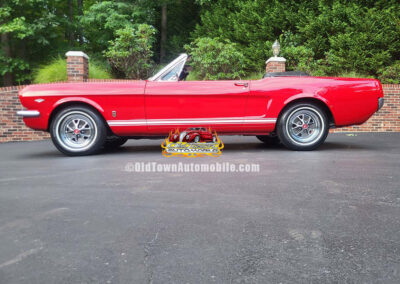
(326, 216)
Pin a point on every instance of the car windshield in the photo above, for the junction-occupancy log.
(172, 71)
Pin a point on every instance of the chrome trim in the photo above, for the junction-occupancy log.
(381, 102)
(141, 122)
(181, 58)
(28, 113)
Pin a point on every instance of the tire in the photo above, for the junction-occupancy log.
(269, 140)
(78, 131)
(303, 127)
(114, 142)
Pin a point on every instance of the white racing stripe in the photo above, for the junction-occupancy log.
(140, 122)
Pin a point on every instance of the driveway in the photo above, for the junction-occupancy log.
(331, 215)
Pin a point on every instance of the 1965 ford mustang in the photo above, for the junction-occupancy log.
(295, 110)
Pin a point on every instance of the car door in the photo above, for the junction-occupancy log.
(182, 104)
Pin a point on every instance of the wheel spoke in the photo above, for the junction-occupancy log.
(84, 125)
(304, 125)
(77, 131)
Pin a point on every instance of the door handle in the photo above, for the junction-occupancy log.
(241, 84)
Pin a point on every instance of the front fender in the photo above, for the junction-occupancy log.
(80, 100)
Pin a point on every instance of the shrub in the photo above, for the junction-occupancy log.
(344, 36)
(299, 58)
(214, 59)
(56, 71)
(131, 51)
(390, 74)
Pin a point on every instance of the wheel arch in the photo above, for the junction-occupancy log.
(323, 105)
(62, 104)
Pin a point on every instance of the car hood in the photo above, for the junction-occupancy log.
(91, 88)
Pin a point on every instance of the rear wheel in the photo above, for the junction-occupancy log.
(78, 131)
(303, 127)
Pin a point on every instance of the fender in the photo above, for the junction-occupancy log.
(78, 99)
(318, 96)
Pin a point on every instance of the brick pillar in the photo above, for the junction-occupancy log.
(275, 64)
(77, 66)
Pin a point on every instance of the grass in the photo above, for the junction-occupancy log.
(56, 71)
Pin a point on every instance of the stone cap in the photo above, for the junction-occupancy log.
(77, 53)
(275, 59)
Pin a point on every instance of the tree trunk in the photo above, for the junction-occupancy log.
(7, 78)
(71, 37)
(80, 13)
(163, 31)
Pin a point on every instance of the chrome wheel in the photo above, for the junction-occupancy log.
(76, 131)
(196, 139)
(304, 126)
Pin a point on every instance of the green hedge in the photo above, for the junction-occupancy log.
(56, 71)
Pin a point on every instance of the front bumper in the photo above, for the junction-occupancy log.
(381, 101)
(28, 113)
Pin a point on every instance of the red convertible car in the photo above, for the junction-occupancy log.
(296, 110)
(194, 134)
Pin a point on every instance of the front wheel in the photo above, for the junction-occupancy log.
(78, 131)
(303, 127)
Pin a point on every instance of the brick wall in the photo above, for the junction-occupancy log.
(12, 127)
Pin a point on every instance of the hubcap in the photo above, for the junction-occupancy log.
(304, 125)
(76, 131)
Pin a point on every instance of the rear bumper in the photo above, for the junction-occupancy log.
(28, 113)
(381, 102)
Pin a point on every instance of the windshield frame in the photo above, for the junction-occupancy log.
(181, 59)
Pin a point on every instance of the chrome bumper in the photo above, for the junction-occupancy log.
(381, 101)
(28, 113)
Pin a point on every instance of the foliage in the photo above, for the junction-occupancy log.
(14, 65)
(183, 16)
(29, 26)
(334, 37)
(322, 37)
(215, 59)
(56, 71)
(352, 36)
(99, 70)
(131, 51)
(101, 21)
(391, 74)
(41, 29)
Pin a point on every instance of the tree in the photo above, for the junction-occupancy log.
(215, 58)
(359, 36)
(131, 51)
(30, 25)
